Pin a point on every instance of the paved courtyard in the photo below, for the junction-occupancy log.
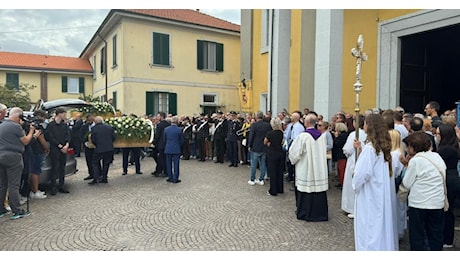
(212, 209)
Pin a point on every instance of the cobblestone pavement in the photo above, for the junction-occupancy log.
(212, 209)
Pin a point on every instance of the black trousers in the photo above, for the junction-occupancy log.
(101, 163)
(89, 160)
(186, 149)
(426, 225)
(58, 160)
(200, 142)
(135, 157)
(233, 146)
(275, 168)
(219, 146)
(161, 161)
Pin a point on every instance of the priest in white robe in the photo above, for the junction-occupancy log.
(308, 154)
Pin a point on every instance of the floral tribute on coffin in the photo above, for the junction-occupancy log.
(131, 131)
(103, 109)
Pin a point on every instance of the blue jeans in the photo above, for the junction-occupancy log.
(261, 160)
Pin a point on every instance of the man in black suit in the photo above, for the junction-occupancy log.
(220, 133)
(159, 143)
(201, 135)
(187, 133)
(75, 139)
(102, 136)
(57, 135)
(84, 136)
(234, 125)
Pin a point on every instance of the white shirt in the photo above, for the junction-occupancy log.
(424, 181)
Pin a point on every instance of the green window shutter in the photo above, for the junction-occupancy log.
(199, 54)
(81, 85)
(161, 49)
(172, 101)
(219, 57)
(165, 49)
(64, 84)
(114, 50)
(12, 80)
(103, 60)
(149, 103)
(156, 48)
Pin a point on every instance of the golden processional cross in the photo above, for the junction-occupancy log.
(360, 57)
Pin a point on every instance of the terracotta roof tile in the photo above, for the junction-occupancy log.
(188, 16)
(43, 62)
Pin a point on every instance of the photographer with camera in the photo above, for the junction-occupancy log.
(40, 149)
(12, 142)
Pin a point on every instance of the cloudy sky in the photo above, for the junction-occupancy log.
(62, 32)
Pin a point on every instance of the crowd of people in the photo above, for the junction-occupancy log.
(373, 158)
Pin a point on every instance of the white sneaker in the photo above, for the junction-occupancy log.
(251, 182)
(7, 207)
(37, 195)
(22, 200)
(351, 216)
(260, 182)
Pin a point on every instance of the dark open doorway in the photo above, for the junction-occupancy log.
(430, 69)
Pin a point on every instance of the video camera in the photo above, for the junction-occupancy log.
(38, 123)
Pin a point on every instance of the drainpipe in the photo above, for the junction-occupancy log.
(105, 66)
(271, 61)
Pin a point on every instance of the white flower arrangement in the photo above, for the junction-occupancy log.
(98, 108)
(131, 128)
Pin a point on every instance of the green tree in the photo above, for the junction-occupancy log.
(16, 97)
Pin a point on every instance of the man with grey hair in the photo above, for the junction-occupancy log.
(2, 112)
(102, 136)
(308, 154)
(12, 142)
(257, 133)
(173, 141)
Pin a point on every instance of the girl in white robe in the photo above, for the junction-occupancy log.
(348, 194)
(374, 225)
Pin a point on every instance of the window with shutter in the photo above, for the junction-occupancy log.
(161, 49)
(210, 56)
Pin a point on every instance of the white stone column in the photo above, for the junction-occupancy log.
(328, 62)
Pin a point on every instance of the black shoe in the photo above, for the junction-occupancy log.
(63, 190)
(177, 181)
(139, 173)
(104, 181)
(54, 191)
(124, 173)
(169, 180)
(162, 175)
(231, 165)
(93, 182)
(235, 165)
(88, 178)
(154, 173)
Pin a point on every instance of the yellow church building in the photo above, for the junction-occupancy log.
(297, 59)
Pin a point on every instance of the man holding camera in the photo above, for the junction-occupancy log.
(12, 142)
(57, 134)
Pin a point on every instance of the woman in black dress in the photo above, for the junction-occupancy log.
(449, 151)
(275, 157)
